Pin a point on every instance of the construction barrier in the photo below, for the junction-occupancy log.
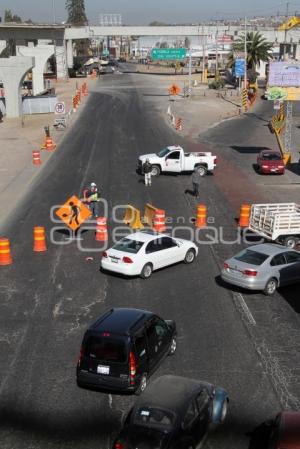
(201, 216)
(149, 214)
(36, 157)
(245, 98)
(244, 215)
(178, 124)
(5, 254)
(101, 230)
(39, 239)
(50, 146)
(133, 217)
(159, 222)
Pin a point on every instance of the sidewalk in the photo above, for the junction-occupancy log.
(17, 141)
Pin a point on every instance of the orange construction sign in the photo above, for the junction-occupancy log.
(174, 90)
(73, 213)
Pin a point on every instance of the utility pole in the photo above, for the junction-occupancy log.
(217, 56)
(190, 70)
(53, 12)
(203, 58)
(245, 51)
(285, 31)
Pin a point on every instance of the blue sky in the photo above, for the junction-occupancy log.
(141, 12)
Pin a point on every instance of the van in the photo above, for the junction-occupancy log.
(122, 349)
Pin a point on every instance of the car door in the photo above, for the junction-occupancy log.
(153, 253)
(291, 272)
(158, 341)
(170, 252)
(172, 162)
(141, 352)
(204, 405)
(277, 267)
(191, 424)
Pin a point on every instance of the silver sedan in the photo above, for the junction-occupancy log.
(263, 267)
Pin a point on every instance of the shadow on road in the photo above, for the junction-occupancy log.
(253, 115)
(248, 150)
(259, 437)
(294, 167)
(291, 295)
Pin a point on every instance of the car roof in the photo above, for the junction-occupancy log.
(145, 235)
(270, 249)
(269, 150)
(120, 320)
(170, 392)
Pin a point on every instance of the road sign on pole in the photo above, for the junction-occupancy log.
(60, 108)
(239, 67)
(73, 213)
(168, 53)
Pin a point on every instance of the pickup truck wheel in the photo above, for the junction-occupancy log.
(201, 170)
(155, 170)
(290, 242)
(271, 287)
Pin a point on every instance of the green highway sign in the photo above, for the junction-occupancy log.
(168, 53)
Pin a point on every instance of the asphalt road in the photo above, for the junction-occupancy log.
(49, 299)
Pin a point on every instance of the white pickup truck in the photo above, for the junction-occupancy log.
(173, 159)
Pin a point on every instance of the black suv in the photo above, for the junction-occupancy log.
(122, 349)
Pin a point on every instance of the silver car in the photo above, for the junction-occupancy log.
(263, 267)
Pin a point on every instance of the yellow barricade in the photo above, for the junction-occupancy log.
(149, 214)
(133, 217)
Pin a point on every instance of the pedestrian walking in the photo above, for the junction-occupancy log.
(147, 168)
(196, 180)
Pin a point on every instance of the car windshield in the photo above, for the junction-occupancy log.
(128, 246)
(251, 257)
(271, 157)
(163, 152)
(154, 417)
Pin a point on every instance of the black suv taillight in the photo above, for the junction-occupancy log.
(132, 367)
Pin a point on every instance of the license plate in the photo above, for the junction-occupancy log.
(274, 169)
(101, 369)
(114, 260)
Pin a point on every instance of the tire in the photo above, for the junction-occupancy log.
(146, 271)
(156, 170)
(224, 411)
(271, 287)
(190, 256)
(173, 345)
(201, 170)
(290, 242)
(142, 386)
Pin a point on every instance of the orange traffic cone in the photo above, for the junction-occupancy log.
(5, 255)
(159, 222)
(36, 157)
(50, 146)
(244, 215)
(39, 239)
(201, 216)
(101, 230)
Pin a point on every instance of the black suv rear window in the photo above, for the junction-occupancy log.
(106, 349)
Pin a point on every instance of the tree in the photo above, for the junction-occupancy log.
(258, 50)
(156, 23)
(76, 12)
(9, 17)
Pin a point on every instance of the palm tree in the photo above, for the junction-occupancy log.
(258, 50)
(76, 12)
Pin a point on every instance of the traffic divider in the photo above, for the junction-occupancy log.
(101, 230)
(5, 254)
(36, 157)
(201, 219)
(133, 217)
(159, 222)
(39, 239)
(244, 215)
(149, 214)
(178, 124)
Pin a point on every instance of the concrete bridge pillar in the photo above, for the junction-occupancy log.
(3, 45)
(41, 53)
(61, 61)
(12, 72)
(70, 57)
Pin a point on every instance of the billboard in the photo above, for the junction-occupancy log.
(284, 74)
(283, 93)
(239, 67)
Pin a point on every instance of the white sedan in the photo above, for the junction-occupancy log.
(140, 253)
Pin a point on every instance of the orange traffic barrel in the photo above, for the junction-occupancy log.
(39, 239)
(244, 215)
(159, 222)
(49, 144)
(36, 157)
(201, 216)
(5, 254)
(101, 230)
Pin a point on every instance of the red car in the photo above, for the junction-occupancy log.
(270, 161)
(285, 432)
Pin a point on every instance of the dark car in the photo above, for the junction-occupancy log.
(122, 349)
(270, 161)
(285, 431)
(173, 413)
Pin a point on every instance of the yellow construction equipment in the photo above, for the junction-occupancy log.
(149, 214)
(133, 217)
(289, 24)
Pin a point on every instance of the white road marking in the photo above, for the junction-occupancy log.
(240, 301)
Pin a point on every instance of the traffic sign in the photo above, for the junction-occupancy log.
(239, 67)
(105, 52)
(168, 53)
(277, 104)
(73, 213)
(60, 108)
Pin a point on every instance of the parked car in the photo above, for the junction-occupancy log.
(140, 253)
(263, 267)
(174, 159)
(270, 162)
(173, 413)
(122, 349)
(285, 431)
